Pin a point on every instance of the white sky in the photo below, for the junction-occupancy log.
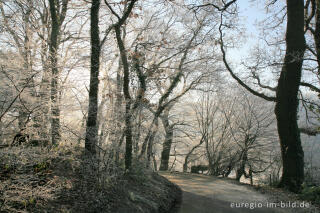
(250, 14)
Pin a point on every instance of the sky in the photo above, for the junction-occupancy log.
(250, 14)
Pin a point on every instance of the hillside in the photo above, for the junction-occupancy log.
(60, 180)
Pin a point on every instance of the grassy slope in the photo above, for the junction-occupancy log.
(35, 180)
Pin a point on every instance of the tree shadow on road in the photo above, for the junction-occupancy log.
(193, 203)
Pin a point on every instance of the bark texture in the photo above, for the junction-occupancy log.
(127, 97)
(58, 12)
(92, 128)
(287, 101)
(317, 33)
(126, 80)
(165, 154)
(55, 111)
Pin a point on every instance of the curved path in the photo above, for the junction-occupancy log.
(206, 194)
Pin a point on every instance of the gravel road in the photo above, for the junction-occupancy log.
(206, 194)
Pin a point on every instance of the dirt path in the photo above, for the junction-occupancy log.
(205, 194)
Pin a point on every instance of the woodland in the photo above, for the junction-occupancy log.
(112, 91)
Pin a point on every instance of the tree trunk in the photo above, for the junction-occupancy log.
(287, 101)
(185, 165)
(23, 117)
(317, 33)
(128, 134)
(241, 170)
(186, 160)
(212, 170)
(155, 166)
(165, 154)
(150, 144)
(127, 97)
(55, 111)
(118, 114)
(148, 137)
(251, 176)
(43, 120)
(92, 128)
(138, 134)
(126, 79)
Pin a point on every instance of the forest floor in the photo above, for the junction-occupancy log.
(207, 194)
(60, 180)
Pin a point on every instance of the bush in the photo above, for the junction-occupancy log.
(311, 194)
(198, 168)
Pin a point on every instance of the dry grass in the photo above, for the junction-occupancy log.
(29, 178)
(64, 180)
(277, 195)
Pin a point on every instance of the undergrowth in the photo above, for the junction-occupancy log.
(311, 193)
(65, 179)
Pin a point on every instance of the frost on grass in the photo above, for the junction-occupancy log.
(66, 180)
(29, 180)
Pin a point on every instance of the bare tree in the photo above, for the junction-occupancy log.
(253, 132)
(168, 128)
(58, 12)
(117, 27)
(23, 42)
(286, 94)
(92, 129)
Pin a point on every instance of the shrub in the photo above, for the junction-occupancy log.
(311, 194)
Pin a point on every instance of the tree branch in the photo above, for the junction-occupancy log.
(313, 88)
(310, 131)
(261, 95)
(225, 6)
